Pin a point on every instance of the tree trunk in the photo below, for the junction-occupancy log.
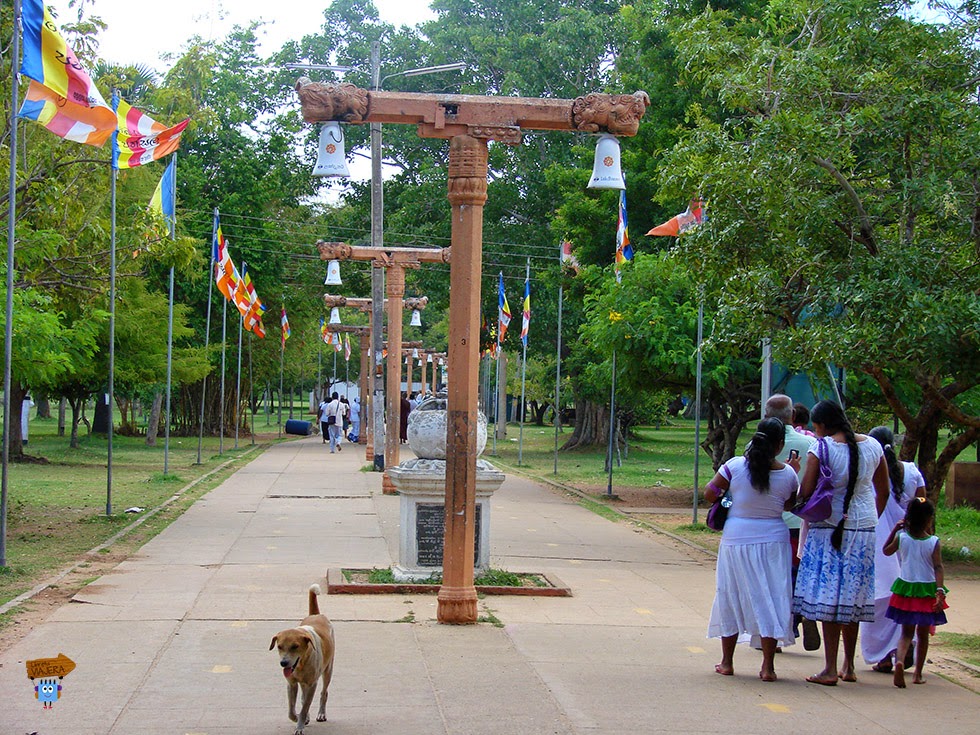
(591, 426)
(17, 393)
(77, 413)
(62, 410)
(539, 412)
(729, 410)
(43, 408)
(153, 425)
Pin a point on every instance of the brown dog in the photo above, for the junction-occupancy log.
(306, 655)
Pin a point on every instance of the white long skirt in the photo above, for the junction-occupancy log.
(753, 594)
(880, 638)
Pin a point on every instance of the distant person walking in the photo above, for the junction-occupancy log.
(753, 585)
(335, 421)
(879, 639)
(355, 420)
(406, 409)
(836, 580)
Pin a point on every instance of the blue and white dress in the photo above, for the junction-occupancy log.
(839, 586)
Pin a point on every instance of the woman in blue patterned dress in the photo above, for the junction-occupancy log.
(836, 581)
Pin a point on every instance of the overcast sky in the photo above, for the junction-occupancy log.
(139, 33)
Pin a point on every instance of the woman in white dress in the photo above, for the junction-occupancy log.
(879, 639)
(836, 580)
(753, 580)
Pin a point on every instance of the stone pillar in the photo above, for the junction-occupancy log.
(467, 195)
(424, 387)
(395, 292)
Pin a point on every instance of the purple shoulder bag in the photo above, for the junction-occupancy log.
(818, 507)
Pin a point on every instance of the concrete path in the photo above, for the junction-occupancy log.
(175, 640)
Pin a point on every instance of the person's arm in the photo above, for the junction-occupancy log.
(891, 543)
(881, 485)
(810, 474)
(937, 562)
(791, 500)
(716, 487)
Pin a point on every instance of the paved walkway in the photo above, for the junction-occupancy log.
(175, 640)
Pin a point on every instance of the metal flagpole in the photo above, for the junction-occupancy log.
(207, 333)
(170, 327)
(112, 341)
(282, 354)
(496, 395)
(238, 385)
(558, 367)
(8, 333)
(697, 411)
(612, 424)
(221, 407)
(251, 388)
(520, 435)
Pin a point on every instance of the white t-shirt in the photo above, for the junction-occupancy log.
(863, 512)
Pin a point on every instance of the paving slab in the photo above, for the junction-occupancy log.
(175, 640)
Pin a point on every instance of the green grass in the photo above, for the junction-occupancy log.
(963, 646)
(57, 510)
(959, 534)
(490, 578)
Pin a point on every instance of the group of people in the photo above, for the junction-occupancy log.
(339, 419)
(874, 565)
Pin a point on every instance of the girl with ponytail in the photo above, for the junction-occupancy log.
(879, 640)
(836, 580)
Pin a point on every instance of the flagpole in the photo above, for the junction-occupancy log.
(697, 411)
(524, 304)
(112, 340)
(496, 396)
(558, 363)
(207, 334)
(221, 406)
(238, 384)
(8, 333)
(282, 354)
(612, 424)
(170, 323)
(251, 388)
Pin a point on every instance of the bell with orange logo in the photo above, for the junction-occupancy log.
(331, 159)
(606, 171)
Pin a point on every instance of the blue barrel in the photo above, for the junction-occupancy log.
(295, 426)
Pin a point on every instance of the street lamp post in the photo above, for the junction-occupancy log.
(468, 122)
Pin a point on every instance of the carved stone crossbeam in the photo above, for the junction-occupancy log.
(419, 302)
(407, 257)
(449, 115)
(350, 328)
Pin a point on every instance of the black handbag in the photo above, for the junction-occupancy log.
(718, 512)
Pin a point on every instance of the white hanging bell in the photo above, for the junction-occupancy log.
(331, 160)
(606, 170)
(335, 316)
(333, 274)
(428, 358)
(416, 318)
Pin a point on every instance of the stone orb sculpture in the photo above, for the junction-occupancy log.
(427, 429)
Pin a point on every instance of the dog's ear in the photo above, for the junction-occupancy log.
(275, 639)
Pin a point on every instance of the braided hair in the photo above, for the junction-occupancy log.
(831, 416)
(762, 450)
(896, 470)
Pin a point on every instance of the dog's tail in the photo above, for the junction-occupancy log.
(314, 607)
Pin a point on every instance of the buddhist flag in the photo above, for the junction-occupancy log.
(526, 320)
(225, 273)
(163, 200)
(324, 331)
(347, 346)
(241, 297)
(285, 326)
(503, 311)
(624, 250)
(61, 96)
(337, 343)
(678, 225)
(141, 139)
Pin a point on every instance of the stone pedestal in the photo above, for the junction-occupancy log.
(421, 486)
(421, 483)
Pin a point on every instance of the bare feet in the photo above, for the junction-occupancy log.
(899, 678)
(767, 675)
(845, 675)
(823, 680)
(724, 670)
(918, 679)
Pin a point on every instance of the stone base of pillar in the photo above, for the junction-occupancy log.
(368, 451)
(457, 605)
(387, 486)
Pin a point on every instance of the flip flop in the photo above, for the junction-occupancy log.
(821, 682)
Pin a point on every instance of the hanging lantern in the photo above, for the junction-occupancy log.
(606, 171)
(416, 318)
(335, 316)
(333, 274)
(330, 157)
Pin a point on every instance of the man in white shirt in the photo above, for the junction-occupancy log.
(355, 419)
(334, 415)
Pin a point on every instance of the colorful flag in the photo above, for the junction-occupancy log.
(526, 321)
(163, 200)
(567, 257)
(681, 223)
(285, 326)
(61, 96)
(347, 346)
(141, 139)
(324, 332)
(240, 296)
(224, 270)
(624, 250)
(503, 310)
(338, 344)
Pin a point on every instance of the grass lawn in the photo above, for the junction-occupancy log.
(658, 472)
(57, 510)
